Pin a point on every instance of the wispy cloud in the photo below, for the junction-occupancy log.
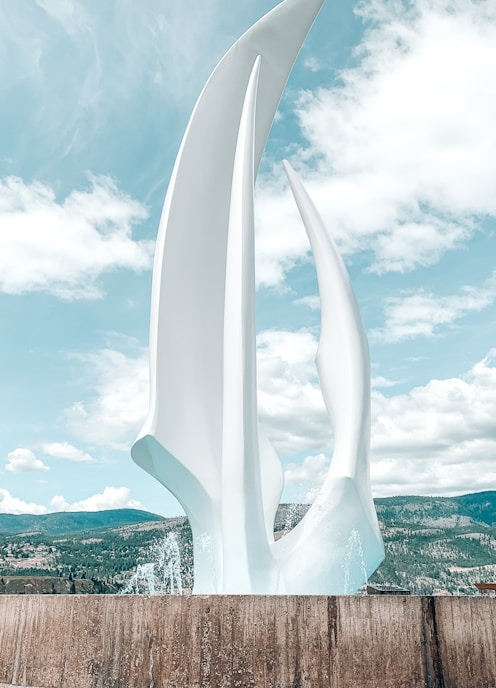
(312, 302)
(313, 64)
(70, 14)
(64, 450)
(383, 382)
(116, 55)
(424, 314)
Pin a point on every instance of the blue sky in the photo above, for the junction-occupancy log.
(389, 119)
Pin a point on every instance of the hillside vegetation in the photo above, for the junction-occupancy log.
(66, 522)
(433, 545)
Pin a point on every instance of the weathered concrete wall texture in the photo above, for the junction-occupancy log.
(252, 642)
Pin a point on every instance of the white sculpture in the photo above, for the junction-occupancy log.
(201, 438)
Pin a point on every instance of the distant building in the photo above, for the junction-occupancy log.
(486, 588)
(379, 589)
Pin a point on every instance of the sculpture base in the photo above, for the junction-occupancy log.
(248, 641)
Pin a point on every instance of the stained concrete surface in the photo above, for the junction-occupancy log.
(11, 685)
(247, 641)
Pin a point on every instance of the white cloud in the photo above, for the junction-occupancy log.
(312, 302)
(423, 313)
(114, 415)
(383, 382)
(312, 469)
(64, 450)
(313, 64)
(437, 439)
(63, 248)
(12, 505)
(308, 476)
(280, 239)
(110, 498)
(287, 384)
(402, 148)
(23, 461)
(290, 404)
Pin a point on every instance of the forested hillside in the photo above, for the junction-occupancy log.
(433, 544)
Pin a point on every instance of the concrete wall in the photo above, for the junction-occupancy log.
(272, 642)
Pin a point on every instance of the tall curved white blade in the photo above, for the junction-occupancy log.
(187, 314)
(342, 516)
(246, 553)
(343, 354)
(181, 441)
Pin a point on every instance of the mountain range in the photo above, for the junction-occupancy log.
(433, 544)
(73, 522)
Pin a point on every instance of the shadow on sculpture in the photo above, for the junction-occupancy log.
(201, 438)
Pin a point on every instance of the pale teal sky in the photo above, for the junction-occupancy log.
(388, 117)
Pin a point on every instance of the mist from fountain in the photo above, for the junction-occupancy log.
(162, 575)
(354, 563)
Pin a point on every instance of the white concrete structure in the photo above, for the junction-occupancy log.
(201, 438)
